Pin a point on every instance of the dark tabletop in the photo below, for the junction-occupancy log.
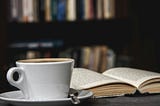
(138, 100)
(150, 100)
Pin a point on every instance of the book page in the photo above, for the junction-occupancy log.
(84, 78)
(133, 76)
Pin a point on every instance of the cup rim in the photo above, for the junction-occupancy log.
(46, 61)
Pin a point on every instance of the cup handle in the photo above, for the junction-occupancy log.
(20, 83)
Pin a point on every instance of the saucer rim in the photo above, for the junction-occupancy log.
(22, 100)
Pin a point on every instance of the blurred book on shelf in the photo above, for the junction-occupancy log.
(61, 10)
(97, 58)
(47, 6)
(71, 10)
(109, 9)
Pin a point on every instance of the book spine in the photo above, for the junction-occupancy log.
(13, 10)
(109, 9)
(99, 9)
(48, 17)
(71, 10)
(103, 63)
(85, 57)
(91, 9)
(20, 11)
(86, 9)
(54, 9)
(36, 10)
(111, 57)
(25, 10)
(97, 52)
(61, 15)
(95, 9)
(80, 9)
(30, 10)
(41, 10)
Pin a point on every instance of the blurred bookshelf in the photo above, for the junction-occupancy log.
(63, 25)
(35, 11)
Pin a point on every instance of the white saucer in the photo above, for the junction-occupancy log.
(16, 98)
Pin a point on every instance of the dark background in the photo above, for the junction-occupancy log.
(140, 40)
(146, 49)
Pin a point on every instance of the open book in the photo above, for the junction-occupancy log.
(116, 81)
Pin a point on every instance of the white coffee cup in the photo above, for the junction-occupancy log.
(42, 79)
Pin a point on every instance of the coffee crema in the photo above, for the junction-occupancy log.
(45, 60)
